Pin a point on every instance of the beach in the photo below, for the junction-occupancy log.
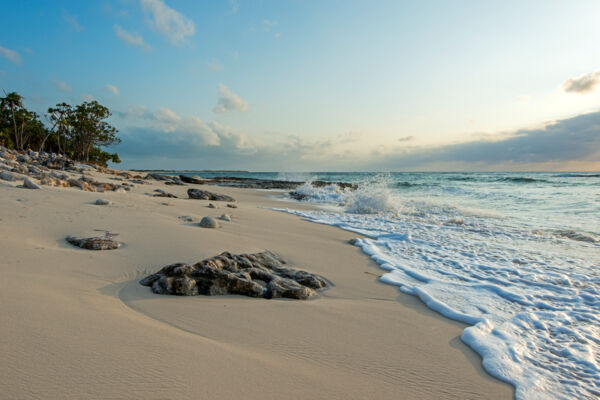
(77, 324)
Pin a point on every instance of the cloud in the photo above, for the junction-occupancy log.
(561, 142)
(583, 83)
(133, 39)
(406, 138)
(72, 20)
(215, 66)
(229, 101)
(63, 86)
(10, 55)
(268, 24)
(172, 24)
(87, 97)
(113, 89)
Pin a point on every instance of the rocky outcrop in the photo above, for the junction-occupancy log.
(206, 195)
(167, 179)
(95, 243)
(255, 275)
(192, 179)
(254, 183)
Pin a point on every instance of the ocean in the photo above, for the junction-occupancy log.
(515, 256)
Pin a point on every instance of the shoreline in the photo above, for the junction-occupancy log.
(79, 325)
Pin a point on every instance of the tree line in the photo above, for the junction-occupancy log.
(78, 132)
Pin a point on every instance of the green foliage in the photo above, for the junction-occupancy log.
(79, 132)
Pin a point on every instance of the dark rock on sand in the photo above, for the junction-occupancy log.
(165, 194)
(232, 205)
(255, 275)
(192, 179)
(29, 184)
(95, 243)
(205, 195)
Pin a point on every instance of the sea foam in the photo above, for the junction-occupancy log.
(531, 298)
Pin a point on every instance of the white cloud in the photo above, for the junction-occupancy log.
(172, 24)
(406, 138)
(87, 97)
(63, 86)
(113, 89)
(72, 20)
(10, 55)
(268, 24)
(229, 101)
(583, 83)
(133, 39)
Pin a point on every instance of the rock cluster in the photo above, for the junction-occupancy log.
(56, 170)
(206, 195)
(192, 179)
(167, 179)
(255, 275)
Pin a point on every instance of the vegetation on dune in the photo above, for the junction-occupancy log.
(79, 132)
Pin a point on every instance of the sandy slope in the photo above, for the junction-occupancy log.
(75, 324)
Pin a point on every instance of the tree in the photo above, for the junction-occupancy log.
(90, 129)
(13, 104)
(60, 117)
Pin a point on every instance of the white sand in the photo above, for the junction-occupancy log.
(75, 324)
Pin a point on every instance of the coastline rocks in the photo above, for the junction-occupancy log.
(209, 222)
(192, 179)
(254, 275)
(7, 176)
(198, 194)
(167, 179)
(95, 243)
(29, 184)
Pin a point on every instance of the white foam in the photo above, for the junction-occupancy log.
(531, 299)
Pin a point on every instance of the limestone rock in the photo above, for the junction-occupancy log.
(95, 243)
(255, 275)
(7, 176)
(29, 184)
(81, 185)
(209, 222)
(205, 195)
(225, 217)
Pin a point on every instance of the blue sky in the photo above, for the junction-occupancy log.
(328, 85)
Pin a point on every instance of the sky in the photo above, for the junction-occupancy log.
(321, 85)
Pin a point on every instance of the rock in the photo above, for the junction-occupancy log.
(7, 176)
(163, 194)
(205, 195)
(254, 183)
(225, 217)
(192, 179)
(232, 205)
(120, 190)
(211, 205)
(95, 243)
(28, 183)
(255, 275)
(81, 185)
(209, 222)
(186, 218)
(167, 179)
(102, 202)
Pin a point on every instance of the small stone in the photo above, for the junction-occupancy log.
(209, 222)
(225, 217)
(102, 202)
(232, 205)
(120, 190)
(28, 183)
(211, 205)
